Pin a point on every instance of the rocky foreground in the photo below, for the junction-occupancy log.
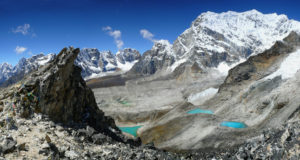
(52, 114)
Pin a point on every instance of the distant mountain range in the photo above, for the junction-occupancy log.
(93, 63)
(214, 41)
(24, 66)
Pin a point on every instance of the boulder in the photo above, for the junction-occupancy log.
(7, 144)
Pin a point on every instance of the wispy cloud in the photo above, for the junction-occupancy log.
(147, 35)
(20, 49)
(30, 53)
(24, 29)
(116, 34)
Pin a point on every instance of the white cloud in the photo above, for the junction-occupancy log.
(116, 34)
(24, 29)
(20, 49)
(147, 35)
(119, 43)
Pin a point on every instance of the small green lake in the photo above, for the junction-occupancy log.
(130, 130)
(198, 110)
(124, 102)
(233, 124)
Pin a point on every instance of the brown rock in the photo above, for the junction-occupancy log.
(47, 138)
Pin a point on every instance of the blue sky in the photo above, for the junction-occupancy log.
(33, 26)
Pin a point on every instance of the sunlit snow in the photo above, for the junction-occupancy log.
(127, 66)
(203, 96)
(177, 63)
(288, 67)
(224, 67)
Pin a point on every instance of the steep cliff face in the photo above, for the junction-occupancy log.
(218, 40)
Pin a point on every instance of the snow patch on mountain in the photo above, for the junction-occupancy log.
(224, 67)
(45, 59)
(176, 64)
(202, 96)
(288, 68)
(127, 66)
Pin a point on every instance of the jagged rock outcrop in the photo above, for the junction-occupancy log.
(58, 91)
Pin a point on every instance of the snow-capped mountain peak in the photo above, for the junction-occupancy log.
(96, 64)
(32, 63)
(245, 29)
(128, 54)
(24, 66)
(219, 39)
(5, 71)
(162, 46)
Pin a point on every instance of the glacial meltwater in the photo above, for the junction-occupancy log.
(233, 124)
(198, 110)
(130, 130)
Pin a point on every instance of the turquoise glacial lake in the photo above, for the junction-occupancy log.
(233, 124)
(130, 130)
(198, 110)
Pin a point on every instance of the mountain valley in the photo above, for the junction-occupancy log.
(227, 88)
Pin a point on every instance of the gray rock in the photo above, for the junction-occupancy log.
(7, 144)
(72, 154)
